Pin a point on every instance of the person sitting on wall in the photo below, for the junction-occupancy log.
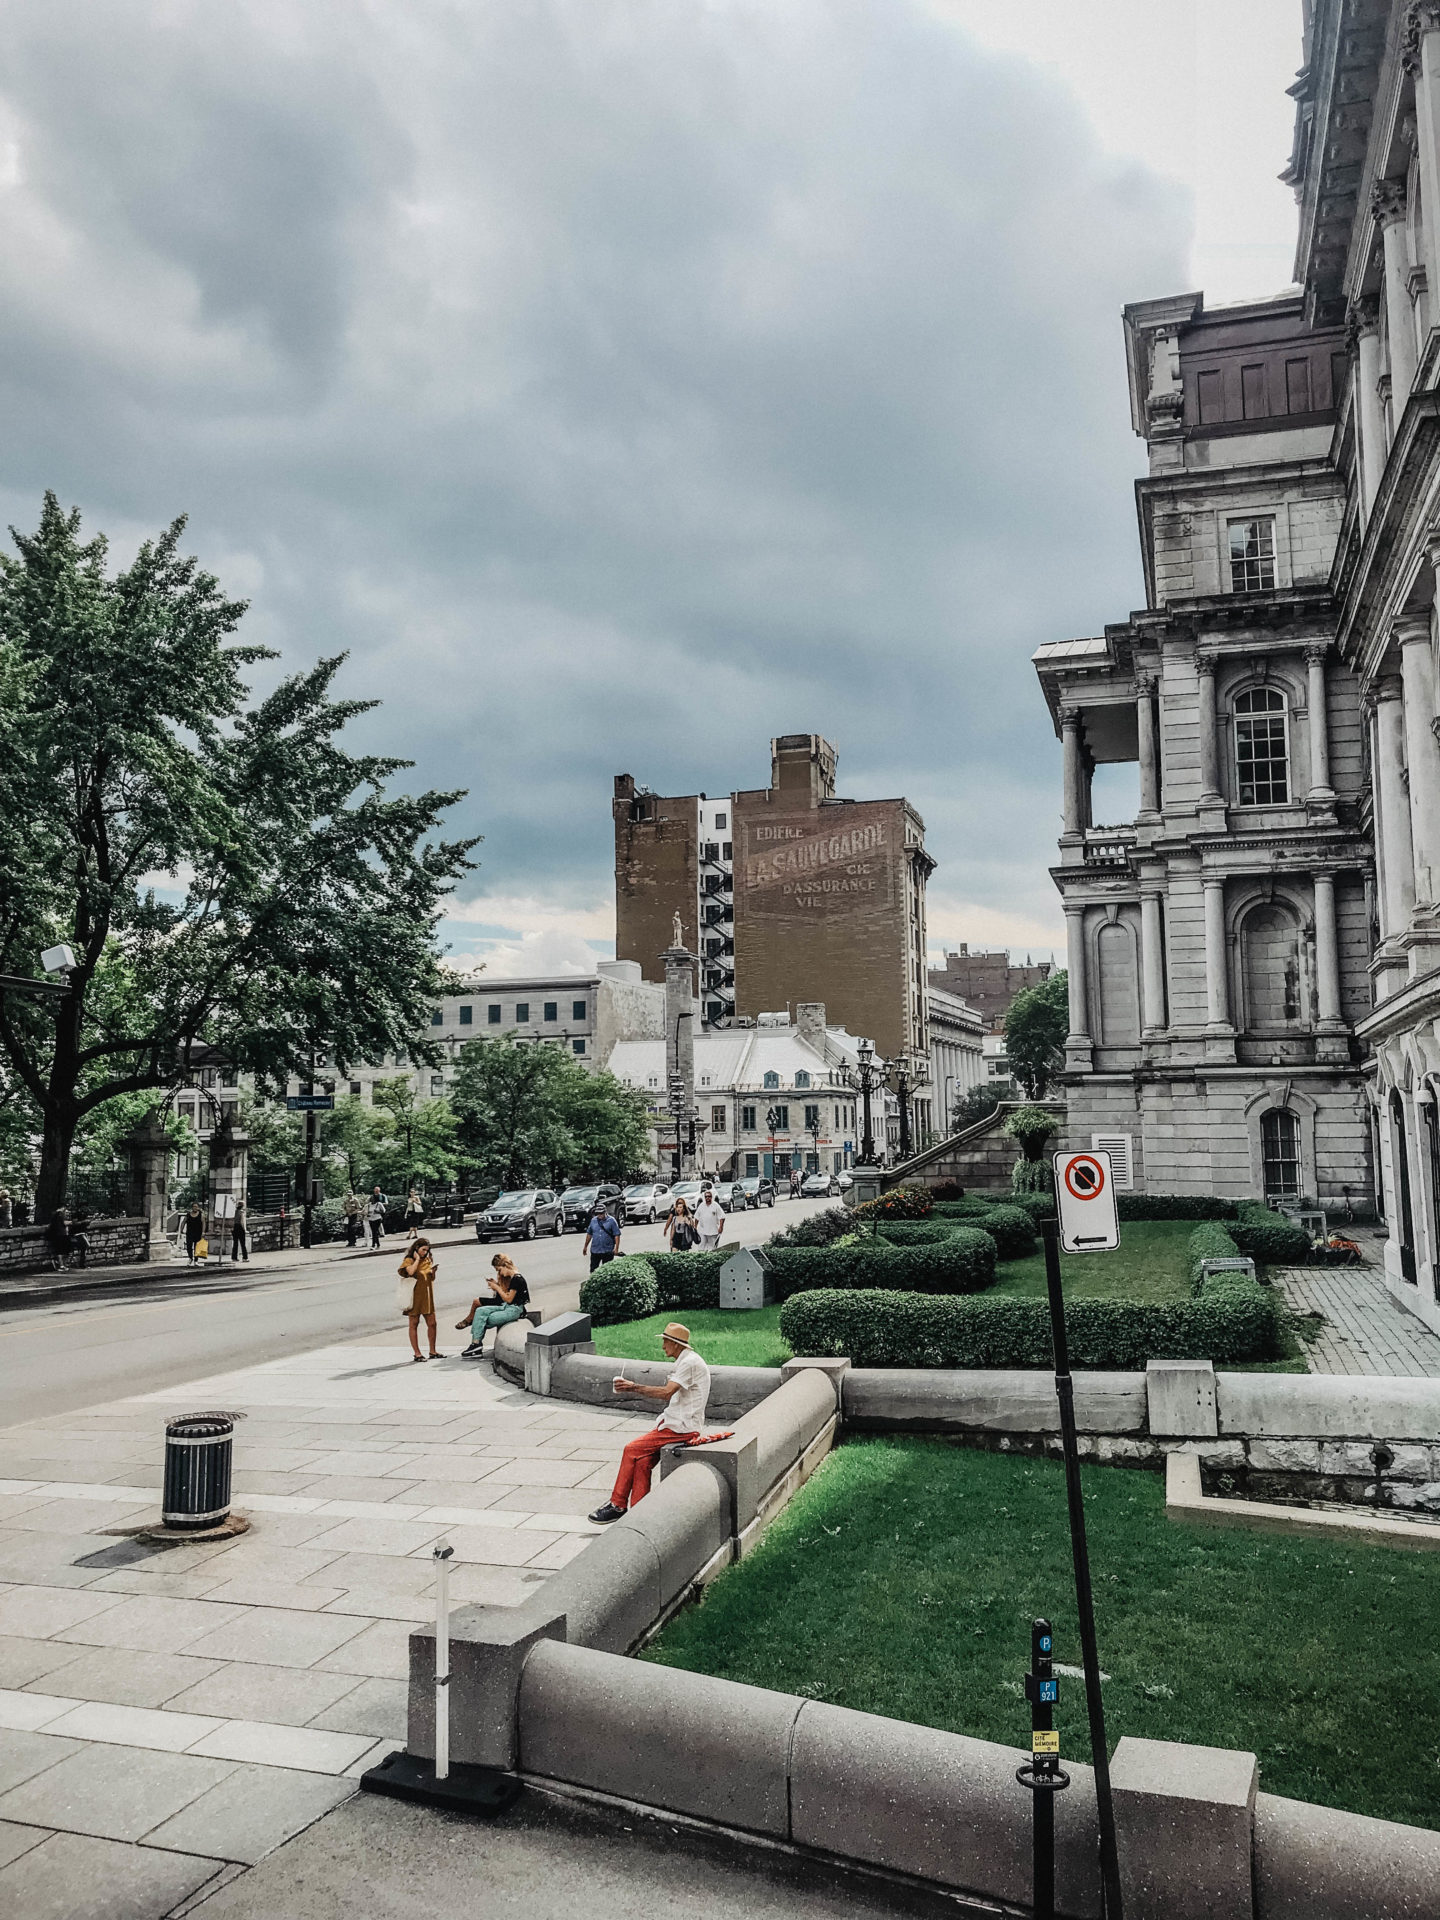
(507, 1300)
(683, 1396)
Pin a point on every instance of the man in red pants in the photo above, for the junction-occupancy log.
(683, 1396)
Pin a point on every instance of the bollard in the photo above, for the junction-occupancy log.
(197, 1470)
(442, 1557)
(1042, 1773)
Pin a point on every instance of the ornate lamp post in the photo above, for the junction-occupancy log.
(865, 1079)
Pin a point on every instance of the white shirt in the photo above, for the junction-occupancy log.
(710, 1219)
(685, 1410)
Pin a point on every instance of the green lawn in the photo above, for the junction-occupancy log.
(724, 1339)
(1149, 1265)
(903, 1578)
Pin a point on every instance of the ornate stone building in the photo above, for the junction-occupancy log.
(1255, 960)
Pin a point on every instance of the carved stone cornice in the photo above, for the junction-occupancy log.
(1317, 653)
(1423, 18)
(1388, 200)
(1362, 316)
(1145, 684)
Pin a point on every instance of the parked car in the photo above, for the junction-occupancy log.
(521, 1215)
(847, 1180)
(579, 1203)
(820, 1186)
(689, 1191)
(758, 1191)
(647, 1201)
(731, 1195)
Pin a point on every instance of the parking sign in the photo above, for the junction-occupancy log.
(1085, 1201)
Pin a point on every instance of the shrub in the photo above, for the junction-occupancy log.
(1039, 1206)
(899, 1203)
(1208, 1242)
(1032, 1176)
(969, 1208)
(964, 1262)
(690, 1280)
(1011, 1228)
(915, 1233)
(947, 1190)
(1174, 1206)
(1031, 1128)
(815, 1230)
(1269, 1236)
(623, 1289)
(875, 1329)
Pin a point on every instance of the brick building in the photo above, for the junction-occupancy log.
(787, 893)
(987, 981)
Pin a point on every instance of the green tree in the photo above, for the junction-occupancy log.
(976, 1103)
(1035, 1031)
(224, 871)
(421, 1137)
(353, 1141)
(534, 1114)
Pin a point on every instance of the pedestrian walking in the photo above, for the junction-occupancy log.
(602, 1236)
(794, 1183)
(709, 1219)
(57, 1239)
(376, 1208)
(414, 1213)
(354, 1218)
(7, 1208)
(239, 1235)
(680, 1228)
(507, 1300)
(418, 1266)
(194, 1230)
(684, 1396)
(79, 1240)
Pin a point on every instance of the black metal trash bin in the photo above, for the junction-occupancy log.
(197, 1470)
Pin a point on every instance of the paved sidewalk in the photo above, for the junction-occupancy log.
(168, 1718)
(1365, 1328)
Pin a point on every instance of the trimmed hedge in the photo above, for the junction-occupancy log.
(1225, 1324)
(1269, 1236)
(1011, 1228)
(1174, 1206)
(623, 1289)
(915, 1233)
(690, 1279)
(899, 1203)
(815, 1230)
(964, 1262)
(1208, 1242)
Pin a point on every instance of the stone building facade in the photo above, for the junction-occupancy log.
(1255, 959)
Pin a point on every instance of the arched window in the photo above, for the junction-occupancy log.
(1270, 961)
(1262, 753)
(1119, 986)
(1280, 1154)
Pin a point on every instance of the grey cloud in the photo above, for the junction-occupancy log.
(621, 382)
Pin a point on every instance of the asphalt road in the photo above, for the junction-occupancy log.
(74, 1349)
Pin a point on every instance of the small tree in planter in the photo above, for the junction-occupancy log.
(1031, 1128)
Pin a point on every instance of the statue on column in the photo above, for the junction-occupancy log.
(677, 938)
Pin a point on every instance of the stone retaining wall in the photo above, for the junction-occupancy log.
(113, 1243)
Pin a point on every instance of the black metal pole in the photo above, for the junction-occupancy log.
(1084, 1599)
(904, 1092)
(867, 1134)
(1042, 1720)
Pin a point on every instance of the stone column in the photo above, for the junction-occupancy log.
(1074, 772)
(1149, 759)
(680, 1043)
(1327, 952)
(1210, 795)
(1320, 788)
(1365, 327)
(1217, 978)
(1077, 1046)
(1420, 51)
(1422, 754)
(1152, 963)
(229, 1165)
(1389, 209)
(149, 1153)
(1392, 810)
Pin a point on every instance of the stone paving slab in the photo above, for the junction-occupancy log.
(1365, 1329)
(165, 1712)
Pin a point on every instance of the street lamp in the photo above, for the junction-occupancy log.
(865, 1079)
(54, 960)
(901, 1069)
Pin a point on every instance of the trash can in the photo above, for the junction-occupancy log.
(197, 1470)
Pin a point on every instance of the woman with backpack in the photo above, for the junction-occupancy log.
(508, 1298)
(418, 1267)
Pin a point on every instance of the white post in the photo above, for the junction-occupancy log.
(442, 1556)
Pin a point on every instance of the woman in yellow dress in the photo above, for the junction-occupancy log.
(419, 1265)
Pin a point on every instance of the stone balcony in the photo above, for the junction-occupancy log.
(1099, 847)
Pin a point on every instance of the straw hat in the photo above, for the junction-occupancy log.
(680, 1336)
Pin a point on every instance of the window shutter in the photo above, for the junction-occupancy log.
(1117, 1145)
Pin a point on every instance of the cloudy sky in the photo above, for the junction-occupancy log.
(624, 381)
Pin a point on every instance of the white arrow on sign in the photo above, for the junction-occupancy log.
(1085, 1202)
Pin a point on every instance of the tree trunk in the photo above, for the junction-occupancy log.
(59, 1138)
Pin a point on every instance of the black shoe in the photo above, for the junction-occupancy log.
(608, 1512)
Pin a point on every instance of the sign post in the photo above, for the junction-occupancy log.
(1087, 1223)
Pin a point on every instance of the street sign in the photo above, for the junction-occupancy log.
(309, 1102)
(1085, 1201)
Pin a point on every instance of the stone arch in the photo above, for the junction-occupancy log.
(1283, 1098)
(1273, 941)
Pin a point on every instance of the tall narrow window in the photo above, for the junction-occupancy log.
(1297, 386)
(1252, 392)
(1210, 397)
(1252, 555)
(1262, 758)
(1280, 1153)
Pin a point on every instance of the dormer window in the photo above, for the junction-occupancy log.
(1262, 754)
(770, 1080)
(802, 1079)
(1252, 555)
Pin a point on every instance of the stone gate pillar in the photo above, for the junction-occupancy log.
(229, 1166)
(148, 1150)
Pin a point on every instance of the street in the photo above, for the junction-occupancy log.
(75, 1349)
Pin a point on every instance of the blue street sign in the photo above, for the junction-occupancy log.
(309, 1102)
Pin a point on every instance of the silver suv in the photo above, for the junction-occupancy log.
(521, 1215)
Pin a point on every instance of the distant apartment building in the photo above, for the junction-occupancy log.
(786, 893)
(987, 981)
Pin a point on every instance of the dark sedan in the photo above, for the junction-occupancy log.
(758, 1191)
(579, 1204)
(521, 1215)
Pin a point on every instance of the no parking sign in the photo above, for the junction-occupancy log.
(1085, 1200)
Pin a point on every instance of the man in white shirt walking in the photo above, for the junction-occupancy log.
(709, 1219)
(683, 1396)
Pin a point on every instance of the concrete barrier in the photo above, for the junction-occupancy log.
(1315, 1863)
(1328, 1405)
(996, 1400)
